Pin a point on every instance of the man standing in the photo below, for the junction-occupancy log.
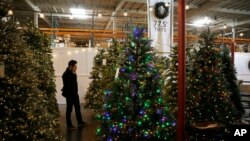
(70, 92)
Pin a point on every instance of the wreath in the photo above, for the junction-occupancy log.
(161, 10)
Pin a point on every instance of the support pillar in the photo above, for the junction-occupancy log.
(181, 71)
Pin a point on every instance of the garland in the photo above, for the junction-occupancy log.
(161, 10)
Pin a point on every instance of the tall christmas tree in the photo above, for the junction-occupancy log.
(134, 108)
(42, 51)
(102, 74)
(170, 84)
(94, 94)
(208, 99)
(230, 74)
(22, 112)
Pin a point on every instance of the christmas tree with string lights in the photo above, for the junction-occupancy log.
(230, 74)
(170, 82)
(94, 94)
(102, 74)
(40, 45)
(23, 113)
(134, 108)
(208, 99)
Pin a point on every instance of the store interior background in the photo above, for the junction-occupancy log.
(79, 38)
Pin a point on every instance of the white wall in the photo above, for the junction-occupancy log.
(241, 64)
(84, 58)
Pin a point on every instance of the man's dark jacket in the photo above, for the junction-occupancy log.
(70, 87)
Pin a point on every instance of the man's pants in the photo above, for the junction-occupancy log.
(73, 101)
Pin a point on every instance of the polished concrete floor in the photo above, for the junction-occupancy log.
(85, 133)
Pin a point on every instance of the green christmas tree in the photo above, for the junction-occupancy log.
(170, 84)
(208, 99)
(40, 46)
(103, 75)
(134, 108)
(94, 94)
(230, 74)
(22, 113)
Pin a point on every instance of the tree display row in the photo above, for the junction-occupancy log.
(28, 108)
(210, 89)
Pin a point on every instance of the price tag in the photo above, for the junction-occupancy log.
(117, 72)
(104, 61)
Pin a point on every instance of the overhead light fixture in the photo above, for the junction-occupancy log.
(225, 26)
(125, 13)
(187, 7)
(99, 15)
(241, 34)
(77, 11)
(41, 15)
(204, 21)
(71, 17)
(10, 12)
(150, 8)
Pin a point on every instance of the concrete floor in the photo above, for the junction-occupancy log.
(85, 133)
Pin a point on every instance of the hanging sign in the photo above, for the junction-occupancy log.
(160, 24)
(2, 67)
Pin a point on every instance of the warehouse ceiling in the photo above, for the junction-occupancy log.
(113, 23)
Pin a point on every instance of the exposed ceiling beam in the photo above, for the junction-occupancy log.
(89, 16)
(233, 11)
(118, 7)
(37, 9)
(139, 1)
(238, 23)
(203, 9)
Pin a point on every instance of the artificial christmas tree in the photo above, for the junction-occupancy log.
(134, 108)
(170, 84)
(102, 74)
(229, 72)
(208, 99)
(42, 51)
(23, 116)
(94, 94)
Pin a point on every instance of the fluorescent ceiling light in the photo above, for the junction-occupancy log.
(201, 22)
(81, 16)
(77, 11)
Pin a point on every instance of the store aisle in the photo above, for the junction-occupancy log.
(85, 133)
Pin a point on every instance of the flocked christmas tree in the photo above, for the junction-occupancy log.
(102, 75)
(39, 44)
(208, 99)
(230, 74)
(23, 113)
(134, 108)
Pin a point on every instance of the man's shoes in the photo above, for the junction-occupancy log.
(71, 127)
(82, 123)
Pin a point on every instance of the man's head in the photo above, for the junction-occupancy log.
(72, 65)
